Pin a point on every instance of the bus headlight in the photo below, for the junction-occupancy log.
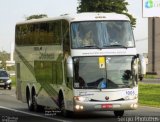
(78, 107)
(80, 98)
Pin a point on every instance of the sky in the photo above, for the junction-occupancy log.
(13, 11)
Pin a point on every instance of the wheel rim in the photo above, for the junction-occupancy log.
(29, 101)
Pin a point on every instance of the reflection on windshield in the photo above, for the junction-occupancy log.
(3, 74)
(116, 72)
(101, 34)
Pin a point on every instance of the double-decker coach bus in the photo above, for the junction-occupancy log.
(83, 62)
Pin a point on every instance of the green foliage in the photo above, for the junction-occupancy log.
(13, 78)
(148, 76)
(36, 16)
(149, 94)
(4, 56)
(118, 6)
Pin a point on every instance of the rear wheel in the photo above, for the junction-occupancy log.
(29, 101)
(119, 113)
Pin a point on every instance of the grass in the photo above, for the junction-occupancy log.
(147, 76)
(13, 78)
(149, 94)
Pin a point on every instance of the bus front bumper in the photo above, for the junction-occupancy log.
(106, 106)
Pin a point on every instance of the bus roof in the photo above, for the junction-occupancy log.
(82, 17)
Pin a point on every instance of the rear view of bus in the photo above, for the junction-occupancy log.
(103, 63)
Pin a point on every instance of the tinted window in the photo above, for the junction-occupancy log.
(3, 74)
(45, 33)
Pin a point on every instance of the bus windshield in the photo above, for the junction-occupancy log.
(103, 72)
(102, 34)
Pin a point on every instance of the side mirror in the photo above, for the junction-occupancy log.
(142, 67)
(134, 67)
(69, 67)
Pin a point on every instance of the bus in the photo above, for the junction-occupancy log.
(77, 63)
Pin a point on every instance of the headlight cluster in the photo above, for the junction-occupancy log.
(81, 99)
(9, 81)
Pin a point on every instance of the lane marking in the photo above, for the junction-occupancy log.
(32, 114)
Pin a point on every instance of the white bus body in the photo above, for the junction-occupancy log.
(55, 69)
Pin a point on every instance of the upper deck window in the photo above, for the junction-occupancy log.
(102, 34)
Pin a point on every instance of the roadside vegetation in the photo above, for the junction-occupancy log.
(149, 76)
(149, 94)
(13, 78)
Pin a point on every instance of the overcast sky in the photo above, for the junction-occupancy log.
(13, 11)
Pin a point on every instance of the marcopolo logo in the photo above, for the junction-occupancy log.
(152, 3)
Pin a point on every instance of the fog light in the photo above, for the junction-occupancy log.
(77, 107)
(131, 105)
(135, 106)
(81, 107)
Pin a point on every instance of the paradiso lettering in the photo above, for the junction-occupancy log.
(46, 56)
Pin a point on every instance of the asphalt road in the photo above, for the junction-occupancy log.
(12, 110)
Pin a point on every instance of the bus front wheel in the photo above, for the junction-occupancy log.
(119, 113)
(64, 112)
(36, 106)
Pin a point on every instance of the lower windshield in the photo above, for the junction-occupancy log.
(3, 74)
(102, 34)
(103, 72)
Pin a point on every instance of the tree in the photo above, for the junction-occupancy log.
(4, 56)
(36, 16)
(118, 6)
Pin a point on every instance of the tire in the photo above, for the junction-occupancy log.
(10, 87)
(119, 113)
(36, 107)
(29, 102)
(5, 87)
(141, 78)
(64, 112)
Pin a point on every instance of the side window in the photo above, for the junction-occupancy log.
(65, 36)
(43, 34)
(55, 32)
(18, 35)
(35, 34)
(23, 34)
(30, 33)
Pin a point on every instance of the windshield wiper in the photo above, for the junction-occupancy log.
(92, 46)
(124, 86)
(88, 87)
(116, 45)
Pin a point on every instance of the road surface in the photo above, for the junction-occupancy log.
(12, 110)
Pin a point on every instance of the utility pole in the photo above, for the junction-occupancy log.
(153, 44)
